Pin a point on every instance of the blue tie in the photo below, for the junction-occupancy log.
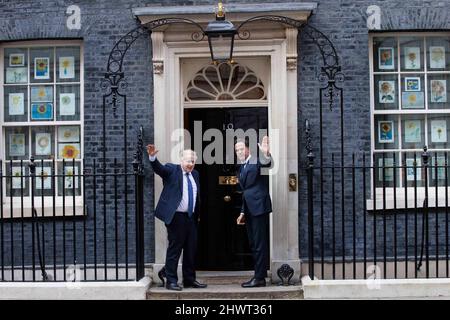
(190, 196)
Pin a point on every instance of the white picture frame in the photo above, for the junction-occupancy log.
(410, 169)
(43, 173)
(438, 89)
(67, 104)
(17, 144)
(16, 75)
(386, 131)
(386, 91)
(437, 57)
(16, 104)
(16, 59)
(41, 68)
(412, 84)
(19, 178)
(413, 131)
(68, 179)
(386, 58)
(43, 144)
(388, 172)
(412, 58)
(68, 134)
(66, 67)
(438, 131)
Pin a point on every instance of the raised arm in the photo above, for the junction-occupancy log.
(162, 170)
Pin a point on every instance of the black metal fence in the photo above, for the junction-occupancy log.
(71, 221)
(378, 217)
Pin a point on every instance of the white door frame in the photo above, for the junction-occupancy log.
(168, 51)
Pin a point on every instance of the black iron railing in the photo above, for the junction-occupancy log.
(380, 217)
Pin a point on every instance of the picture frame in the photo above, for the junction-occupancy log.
(69, 177)
(42, 94)
(43, 173)
(67, 104)
(17, 180)
(385, 131)
(42, 111)
(41, 68)
(413, 131)
(16, 104)
(69, 134)
(16, 75)
(16, 59)
(437, 57)
(386, 91)
(412, 84)
(440, 171)
(438, 91)
(439, 131)
(388, 172)
(413, 100)
(17, 144)
(66, 67)
(69, 150)
(43, 144)
(412, 58)
(410, 169)
(386, 58)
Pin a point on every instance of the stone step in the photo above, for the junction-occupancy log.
(228, 292)
(225, 277)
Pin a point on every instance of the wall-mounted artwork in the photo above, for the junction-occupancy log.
(16, 105)
(386, 58)
(437, 57)
(385, 131)
(69, 177)
(413, 100)
(413, 132)
(439, 131)
(67, 104)
(16, 60)
(69, 134)
(43, 178)
(17, 144)
(42, 111)
(16, 75)
(41, 94)
(386, 91)
(69, 150)
(19, 178)
(384, 173)
(412, 58)
(43, 144)
(66, 67)
(41, 68)
(412, 83)
(438, 91)
(413, 172)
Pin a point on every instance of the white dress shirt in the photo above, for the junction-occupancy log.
(183, 206)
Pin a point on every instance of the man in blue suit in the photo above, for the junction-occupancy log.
(178, 207)
(256, 206)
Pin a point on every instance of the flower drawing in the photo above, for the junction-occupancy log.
(437, 91)
(70, 152)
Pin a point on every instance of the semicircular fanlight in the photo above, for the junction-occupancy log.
(225, 81)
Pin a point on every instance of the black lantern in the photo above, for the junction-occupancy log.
(220, 35)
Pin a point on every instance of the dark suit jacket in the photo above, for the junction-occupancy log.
(172, 192)
(255, 197)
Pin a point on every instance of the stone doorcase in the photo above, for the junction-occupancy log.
(276, 42)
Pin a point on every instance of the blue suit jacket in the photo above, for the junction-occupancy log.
(255, 187)
(172, 176)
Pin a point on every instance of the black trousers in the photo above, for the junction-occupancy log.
(182, 235)
(258, 237)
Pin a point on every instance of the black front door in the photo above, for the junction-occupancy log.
(222, 244)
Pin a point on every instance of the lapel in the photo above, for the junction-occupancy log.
(180, 179)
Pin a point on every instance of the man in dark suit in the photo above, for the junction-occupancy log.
(256, 206)
(178, 207)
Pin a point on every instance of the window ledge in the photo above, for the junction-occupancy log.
(59, 211)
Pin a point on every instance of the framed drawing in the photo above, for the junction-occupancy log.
(412, 83)
(43, 144)
(437, 57)
(16, 60)
(17, 144)
(67, 67)
(386, 91)
(413, 100)
(439, 131)
(41, 94)
(16, 106)
(42, 111)
(69, 134)
(67, 104)
(69, 150)
(412, 58)
(43, 178)
(385, 131)
(413, 131)
(438, 91)
(41, 68)
(69, 177)
(16, 75)
(386, 58)
(413, 172)
(440, 168)
(387, 172)
(17, 180)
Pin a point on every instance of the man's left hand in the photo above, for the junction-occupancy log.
(264, 146)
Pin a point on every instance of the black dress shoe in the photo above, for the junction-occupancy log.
(173, 286)
(195, 284)
(253, 283)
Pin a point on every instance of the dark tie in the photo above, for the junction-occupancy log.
(190, 196)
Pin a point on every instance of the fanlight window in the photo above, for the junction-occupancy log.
(225, 81)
